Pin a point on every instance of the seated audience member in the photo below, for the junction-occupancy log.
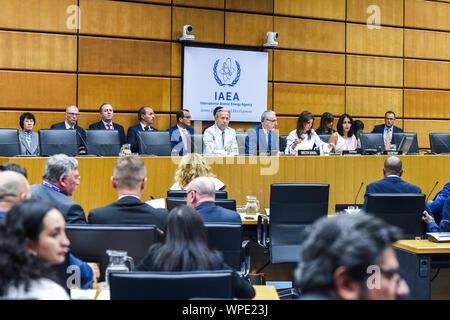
(388, 129)
(193, 165)
(337, 253)
(304, 137)
(72, 114)
(33, 238)
(201, 195)
(437, 203)
(146, 117)
(185, 248)
(61, 178)
(107, 113)
(28, 139)
(359, 128)
(444, 225)
(14, 187)
(263, 139)
(344, 138)
(129, 179)
(220, 139)
(179, 134)
(214, 113)
(11, 166)
(326, 124)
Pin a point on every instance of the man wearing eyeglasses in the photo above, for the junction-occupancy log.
(180, 133)
(263, 139)
(70, 123)
(388, 129)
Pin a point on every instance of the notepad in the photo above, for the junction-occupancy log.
(439, 236)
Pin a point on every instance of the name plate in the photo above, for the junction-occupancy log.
(351, 152)
(308, 153)
(393, 152)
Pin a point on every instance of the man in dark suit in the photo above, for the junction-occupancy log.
(263, 139)
(146, 117)
(179, 134)
(130, 181)
(201, 196)
(61, 178)
(107, 114)
(388, 129)
(72, 115)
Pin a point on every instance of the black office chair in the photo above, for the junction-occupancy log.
(240, 138)
(225, 203)
(156, 143)
(171, 285)
(90, 242)
(227, 238)
(324, 137)
(195, 143)
(283, 141)
(9, 142)
(103, 142)
(372, 143)
(403, 210)
(293, 206)
(55, 141)
(414, 148)
(440, 142)
(221, 194)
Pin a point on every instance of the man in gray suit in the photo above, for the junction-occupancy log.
(61, 178)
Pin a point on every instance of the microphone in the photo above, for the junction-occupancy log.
(84, 146)
(437, 182)
(362, 183)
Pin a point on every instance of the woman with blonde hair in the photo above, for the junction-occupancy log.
(193, 165)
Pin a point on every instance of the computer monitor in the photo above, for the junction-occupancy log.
(155, 143)
(224, 203)
(9, 142)
(195, 143)
(220, 194)
(405, 144)
(372, 142)
(414, 147)
(53, 141)
(103, 142)
(324, 137)
(403, 210)
(440, 142)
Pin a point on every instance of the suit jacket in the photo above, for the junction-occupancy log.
(380, 129)
(177, 141)
(256, 143)
(212, 213)
(72, 211)
(100, 126)
(23, 144)
(438, 202)
(132, 138)
(81, 141)
(128, 210)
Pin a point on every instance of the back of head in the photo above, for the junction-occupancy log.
(59, 165)
(353, 241)
(204, 187)
(192, 165)
(393, 166)
(13, 187)
(129, 172)
(11, 166)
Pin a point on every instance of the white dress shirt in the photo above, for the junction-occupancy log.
(212, 139)
(306, 144)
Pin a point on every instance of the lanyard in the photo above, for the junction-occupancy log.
(46, 184)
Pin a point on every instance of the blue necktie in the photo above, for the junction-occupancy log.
(269, 142)
(223, 139)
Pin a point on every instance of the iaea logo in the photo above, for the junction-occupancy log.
(227, 74)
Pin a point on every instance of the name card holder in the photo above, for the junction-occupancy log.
(308, 153)
(352, 152)
(393, 152)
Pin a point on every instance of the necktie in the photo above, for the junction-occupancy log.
(146, 128)
(388, 139)
(269, 142)
(223, 140)
(185, 140)
(109, 126)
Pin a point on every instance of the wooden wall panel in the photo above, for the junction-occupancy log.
(427, 104)
(176, 94)
(384, 42)
(38, 51)
(37, 15)
(148, 1)
(33, 90)
(208, 25)
(309, 67)
(424, 128)
(124, 93)
(427, 44)
(427, 15)
(247, 29)
(125, 19)
(324, 9)
(373, 102)
(427, 74)
(265, 6)
(176, 66)
(292, 99)
(374, 71)
(287, 124)
(201, 3)
(306, 34)
(391, 11)
(103, 55)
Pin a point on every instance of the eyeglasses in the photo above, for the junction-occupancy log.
(274, 120)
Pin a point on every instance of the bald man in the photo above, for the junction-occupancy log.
(14, 187)
(72, 114)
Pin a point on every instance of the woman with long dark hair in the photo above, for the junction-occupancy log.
(185, 248)
(326, 124)
(344, 138)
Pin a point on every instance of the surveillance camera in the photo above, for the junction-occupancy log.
(187, 37)
(271, 36)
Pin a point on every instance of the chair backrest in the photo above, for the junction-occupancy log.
(293, 206)
(403, 210)
(155, 143)
(195, 143)
(90, 242)
(103, 142)
(371, 142)
(225, 203)
(283, 141)
(221, 194)
(440, 142)
(240, 138)
(9, 142)
(324, 137)
(54, 141)
(414, 149)
(171, 285)
(226, 238)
